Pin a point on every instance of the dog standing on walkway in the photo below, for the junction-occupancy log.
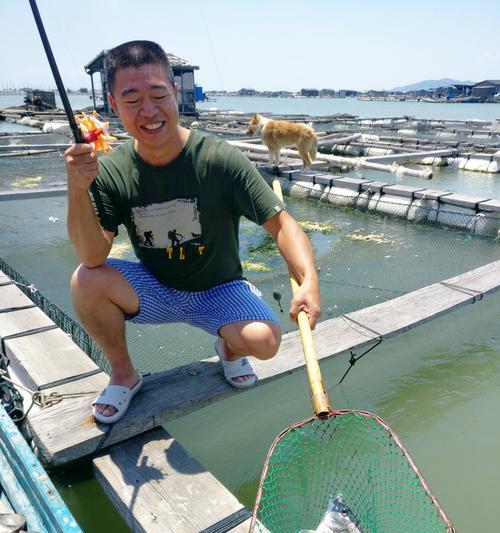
(277, 134)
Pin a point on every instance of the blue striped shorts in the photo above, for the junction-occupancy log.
(209, 310)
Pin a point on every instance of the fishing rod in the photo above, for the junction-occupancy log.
(78, 136)
(75, 130)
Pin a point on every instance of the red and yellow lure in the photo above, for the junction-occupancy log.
(95, 130)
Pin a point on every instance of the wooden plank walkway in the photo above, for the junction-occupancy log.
(159, 488)
(175, 494)
(168, 395)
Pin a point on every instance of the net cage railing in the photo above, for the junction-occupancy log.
(422, 211)
(57, 315)
(352, 274)
(354, 454)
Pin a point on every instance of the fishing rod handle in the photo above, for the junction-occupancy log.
(319, 398)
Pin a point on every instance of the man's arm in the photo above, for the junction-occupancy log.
(297, 251)
(91, 242)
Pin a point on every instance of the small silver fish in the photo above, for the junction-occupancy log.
(338, 518)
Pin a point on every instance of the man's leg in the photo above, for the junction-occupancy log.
(258, 338)
(101, 297)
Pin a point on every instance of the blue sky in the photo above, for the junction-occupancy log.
(263, 44)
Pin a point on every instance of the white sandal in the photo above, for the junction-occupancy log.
(237, 368)
(118, 397)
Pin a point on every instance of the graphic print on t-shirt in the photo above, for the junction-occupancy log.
(173, 226)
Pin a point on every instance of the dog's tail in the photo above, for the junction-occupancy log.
(313, 149)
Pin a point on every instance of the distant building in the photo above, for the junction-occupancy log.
(328, 92)
(247, 92)
(40, 100)
(345, 93)
(459, 91)
(199, 95)
(83, 90)
(309, 92)
(375, 93)
(485, 89)
(183, 75)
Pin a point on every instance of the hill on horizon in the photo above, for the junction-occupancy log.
(431, 84)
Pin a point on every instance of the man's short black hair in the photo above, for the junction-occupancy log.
(135, 54)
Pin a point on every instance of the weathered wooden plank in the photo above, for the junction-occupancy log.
(11, 296)
(39, 359)
(159, 488)
(431, 194)
(401, 190)
(46, 358)
(490, 205)
(461, 200)
(13, 322)
(174, 393)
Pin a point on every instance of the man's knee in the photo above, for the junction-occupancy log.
(96, 286)
(86, 279)
(264, 340)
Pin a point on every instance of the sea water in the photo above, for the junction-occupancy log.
(436, 385)
(316, 106)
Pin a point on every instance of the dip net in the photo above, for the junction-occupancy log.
(353, 453)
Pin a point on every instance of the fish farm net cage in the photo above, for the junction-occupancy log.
(364, 256)
(349, 453)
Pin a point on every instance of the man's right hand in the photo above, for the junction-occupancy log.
(81, 166)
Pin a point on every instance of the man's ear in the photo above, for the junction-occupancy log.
(112, 103)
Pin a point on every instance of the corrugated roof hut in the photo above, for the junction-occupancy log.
(486, 88)
(183, 74)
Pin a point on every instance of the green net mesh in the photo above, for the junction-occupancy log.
(352, 453)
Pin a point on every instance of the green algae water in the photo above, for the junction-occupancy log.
(437, 385)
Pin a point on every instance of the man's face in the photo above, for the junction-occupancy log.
(146, 103)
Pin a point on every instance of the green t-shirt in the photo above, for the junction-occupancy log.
(183, 218)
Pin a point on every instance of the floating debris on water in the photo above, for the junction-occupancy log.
(307, 225)
(29, 182)
(53, 219)
(371, 237)
(120, 249)
(255, 267)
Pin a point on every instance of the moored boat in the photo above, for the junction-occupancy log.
(28, 499)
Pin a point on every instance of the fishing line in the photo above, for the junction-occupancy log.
(209, 38)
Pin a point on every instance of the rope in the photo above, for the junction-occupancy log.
(477, 295)
(18, 308)
(40, 398)
(353, 359)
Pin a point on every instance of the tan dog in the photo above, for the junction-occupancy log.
(276, 134)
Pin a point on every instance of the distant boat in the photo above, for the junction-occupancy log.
(467, 100)
(431, 100)
(28, 499)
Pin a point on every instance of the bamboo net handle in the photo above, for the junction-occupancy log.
(319, 398)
